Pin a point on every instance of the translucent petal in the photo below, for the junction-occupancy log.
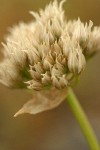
(43, 100)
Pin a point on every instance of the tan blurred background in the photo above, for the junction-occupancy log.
(56, 129)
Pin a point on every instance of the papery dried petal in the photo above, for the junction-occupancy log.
(42, 101)
(76, 61)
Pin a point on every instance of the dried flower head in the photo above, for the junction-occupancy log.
(49, 51)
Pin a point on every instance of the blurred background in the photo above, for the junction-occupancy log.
(56, 129)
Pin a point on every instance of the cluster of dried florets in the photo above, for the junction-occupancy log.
(48, 51)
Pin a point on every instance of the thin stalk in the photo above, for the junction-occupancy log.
(82, 120)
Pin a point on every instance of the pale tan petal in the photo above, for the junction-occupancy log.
(46, 79)
(43, 100)
(93, 45)
(76, 60)
(35, 85)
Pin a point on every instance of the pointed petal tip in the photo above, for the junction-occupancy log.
(21, 111)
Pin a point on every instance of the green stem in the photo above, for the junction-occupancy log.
(82, 120)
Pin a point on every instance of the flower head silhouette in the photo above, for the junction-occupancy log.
(49, 52)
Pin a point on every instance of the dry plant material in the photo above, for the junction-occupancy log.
(50, 51)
